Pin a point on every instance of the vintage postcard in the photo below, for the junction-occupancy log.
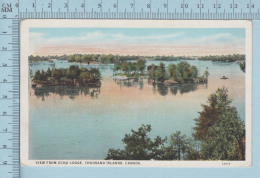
(114, 93)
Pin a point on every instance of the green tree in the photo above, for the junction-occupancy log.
(48, 73)
(124, 67)
(141, 65)
(95, 74)
(37, 75)
(77, 58)
(180, 144)
(74, 72)
(242, 66)
(172, 70)
(160, 72)
(226, 141)
(194, 72)
(84, 75)
(220, 130)
(116, 67)
(152, 72)
(138, 146)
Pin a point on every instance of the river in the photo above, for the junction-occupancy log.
(83, 123)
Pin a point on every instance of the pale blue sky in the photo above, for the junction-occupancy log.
(133, 32)
(231, 40)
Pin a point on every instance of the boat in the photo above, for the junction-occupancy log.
(224, 77)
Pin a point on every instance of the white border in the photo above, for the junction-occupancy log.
(24, 52)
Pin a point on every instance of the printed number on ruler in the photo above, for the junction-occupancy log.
(143, 9)
(9, 89)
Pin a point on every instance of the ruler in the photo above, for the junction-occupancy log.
(12, 11)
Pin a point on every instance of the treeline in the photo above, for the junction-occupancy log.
(37, 58)
(225, 58)
(219, 134)
(67, 76)
(130, 68)
(173, 58)
(105, 59)
(180, 73)
(87, 58)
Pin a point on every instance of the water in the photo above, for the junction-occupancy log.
(83, 123)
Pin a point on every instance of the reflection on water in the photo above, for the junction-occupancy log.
(65, 123)
(162, 89)
(70, 91)
(130, 83)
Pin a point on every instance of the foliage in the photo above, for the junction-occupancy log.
(180, 144)
(45, 58)
(185, 71)
(173, 58)
(109, 58)
(102, 58)
(172, 70)
(227, 58)
(242, 66)
(220, 129)
(219, 135)
(160, 73)
(182, 72)
(138, 146)
(83, 75)
(131, 67)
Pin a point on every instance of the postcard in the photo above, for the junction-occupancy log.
(136, 93)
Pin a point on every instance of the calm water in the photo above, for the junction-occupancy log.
(83, 123)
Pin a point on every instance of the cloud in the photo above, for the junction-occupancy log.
(217, 39)
(169, 44)
(101, 38)
(35, 36)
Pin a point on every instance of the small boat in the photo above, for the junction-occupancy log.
(224, 77)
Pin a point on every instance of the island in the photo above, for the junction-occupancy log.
(181, 73)
(130, 69)
(72, 76)
(223, 58)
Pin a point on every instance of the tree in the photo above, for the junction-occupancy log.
(74, 72)
(226, 141)
(84, 75)
(160, 73)
(116, 67)
(124, 67)
(220, 130)
(172, 70)
(139, 146)
(78, 58)
(141, 64)
(43, 76)
(180, 144)
(37, 75)
(48, 73)
(242, 66)
(95, 74)
(152, 72)
(194, 72)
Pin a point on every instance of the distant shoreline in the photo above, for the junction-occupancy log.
(113, 59)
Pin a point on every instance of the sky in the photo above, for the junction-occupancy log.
(137, 41)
